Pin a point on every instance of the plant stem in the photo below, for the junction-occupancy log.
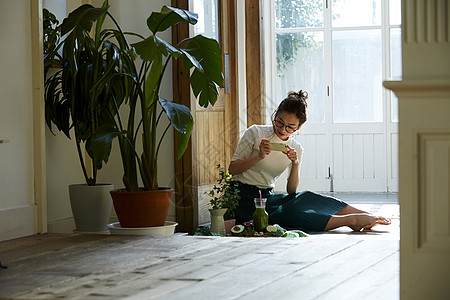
(161, 139)
(80, 156)
(94, 172)
(120, 29)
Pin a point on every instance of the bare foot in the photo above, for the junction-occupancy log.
(367, 221)
(378, 220)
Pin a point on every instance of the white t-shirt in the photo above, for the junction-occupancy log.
(265, 172)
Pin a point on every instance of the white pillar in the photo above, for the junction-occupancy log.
(424, 148)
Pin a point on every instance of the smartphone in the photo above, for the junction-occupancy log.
(278, 147)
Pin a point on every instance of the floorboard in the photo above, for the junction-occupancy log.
(338, 264)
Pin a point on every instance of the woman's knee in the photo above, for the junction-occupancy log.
(308, 193)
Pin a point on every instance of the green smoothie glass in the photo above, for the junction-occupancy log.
(260, 217)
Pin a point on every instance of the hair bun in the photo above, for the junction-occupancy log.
(301, 95)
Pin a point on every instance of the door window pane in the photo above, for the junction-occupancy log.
(357, 76)
(350, 13)
(395, 12)
(396, 52)
(300, 66)
(208, 20)
(396, 66)
(298, 14)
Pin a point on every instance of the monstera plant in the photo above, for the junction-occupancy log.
(151, 55)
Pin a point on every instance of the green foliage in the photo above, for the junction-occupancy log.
(74, 100)
(102, 71)
(288, 44)
(150, 57)
(224, 194)
(52, 35)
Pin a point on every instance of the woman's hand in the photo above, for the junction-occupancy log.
(238, 166)
(292, 181)
(291, 154)
(264, 148)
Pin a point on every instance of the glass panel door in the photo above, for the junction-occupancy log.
(357, 76)
(336, 51)
(300, 63)
(355, 13)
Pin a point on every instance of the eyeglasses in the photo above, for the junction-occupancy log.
(280, 124)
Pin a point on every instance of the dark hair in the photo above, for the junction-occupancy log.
(294, 103)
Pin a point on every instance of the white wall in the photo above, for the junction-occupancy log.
(63, 167)
(17, 208)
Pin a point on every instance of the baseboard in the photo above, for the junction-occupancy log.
(68, 225)
(61, 226)
(17, 222)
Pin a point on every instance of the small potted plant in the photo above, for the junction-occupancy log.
(224, 199)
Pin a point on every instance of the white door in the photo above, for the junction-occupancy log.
(339, 52)
(18, 211)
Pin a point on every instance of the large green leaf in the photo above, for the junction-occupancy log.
(99, 145)
(152, 46)
(194, 62)
(178, 114)
(84, 16)
(100, 21)
(146, 49)
(151, 82)
(205, 83)
(183, 139)
(57, 108)
(169, 16)
(207, 51)
(166, 48)
(205, 89)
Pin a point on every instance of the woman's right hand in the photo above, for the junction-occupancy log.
(264, 148)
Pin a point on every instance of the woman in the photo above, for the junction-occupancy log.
(255, 167)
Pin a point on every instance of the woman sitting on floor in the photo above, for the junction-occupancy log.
(255, 168)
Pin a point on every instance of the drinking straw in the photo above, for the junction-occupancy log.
(260, 198)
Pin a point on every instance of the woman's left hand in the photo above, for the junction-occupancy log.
(291, 154)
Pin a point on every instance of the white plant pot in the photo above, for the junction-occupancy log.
(217, 221)
(91, 207)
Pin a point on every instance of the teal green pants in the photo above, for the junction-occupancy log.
(306, 211)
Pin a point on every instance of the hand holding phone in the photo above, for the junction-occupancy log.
(278, 147)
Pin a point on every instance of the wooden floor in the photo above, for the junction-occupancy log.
(334, 265)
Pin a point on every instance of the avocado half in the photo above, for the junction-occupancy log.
(237, 229)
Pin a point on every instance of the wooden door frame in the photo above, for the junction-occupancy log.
(39, 159)
(186, 200)
(184, 196)
(256, 104)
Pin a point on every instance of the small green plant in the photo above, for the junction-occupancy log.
(224, 194)
(52, 36)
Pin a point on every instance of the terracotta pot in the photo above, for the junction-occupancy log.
(143, 208)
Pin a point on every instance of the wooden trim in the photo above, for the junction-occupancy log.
(185, 200)
(186, 181)
(255, 105)
(232, 109)
(40, 191)
(417, 87)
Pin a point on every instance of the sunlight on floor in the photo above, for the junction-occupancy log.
(390, 232)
